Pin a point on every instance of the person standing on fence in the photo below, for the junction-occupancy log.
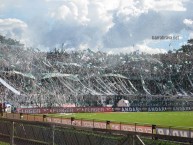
(108, 125)
(154, 132)
(73, 122)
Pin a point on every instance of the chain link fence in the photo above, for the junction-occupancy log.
(17, 132)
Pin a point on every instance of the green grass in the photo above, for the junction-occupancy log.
(3, 143)
(184, 119)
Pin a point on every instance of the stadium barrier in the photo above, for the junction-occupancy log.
(102, 124)
(153, 109)
(63, 110)
(22, 132)
(102, 109)
(108, 125)
(172, 131)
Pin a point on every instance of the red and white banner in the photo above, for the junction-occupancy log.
(89, 124)
(143, 129)
(115, 126)
(63, 110)
(133, 128)
(101, 125)
(54, 120)
(66, 121)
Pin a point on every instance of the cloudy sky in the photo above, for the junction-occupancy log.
(109, 25)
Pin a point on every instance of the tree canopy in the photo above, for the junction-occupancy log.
(9, 41)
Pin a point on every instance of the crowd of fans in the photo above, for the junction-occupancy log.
(92, 74)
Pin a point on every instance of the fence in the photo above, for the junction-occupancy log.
(21, 132)
(116, 126)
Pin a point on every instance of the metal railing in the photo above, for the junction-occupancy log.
(110, 125)
(22, 132)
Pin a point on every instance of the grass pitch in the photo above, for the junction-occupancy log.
(180, 119)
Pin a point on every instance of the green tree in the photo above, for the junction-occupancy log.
(8, 41)
(187, 48)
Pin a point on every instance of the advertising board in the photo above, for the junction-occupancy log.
(152, 109)
(175, 132)
(63, 110)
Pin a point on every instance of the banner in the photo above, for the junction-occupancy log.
(175, 132)
(89, 124)
(63, 110)
(156, 109)
(101, 125)
(127, 109)
(133, 128)
(54, 120)
(152, 109)
(99, 109)
(115, 126)
(181, 108)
